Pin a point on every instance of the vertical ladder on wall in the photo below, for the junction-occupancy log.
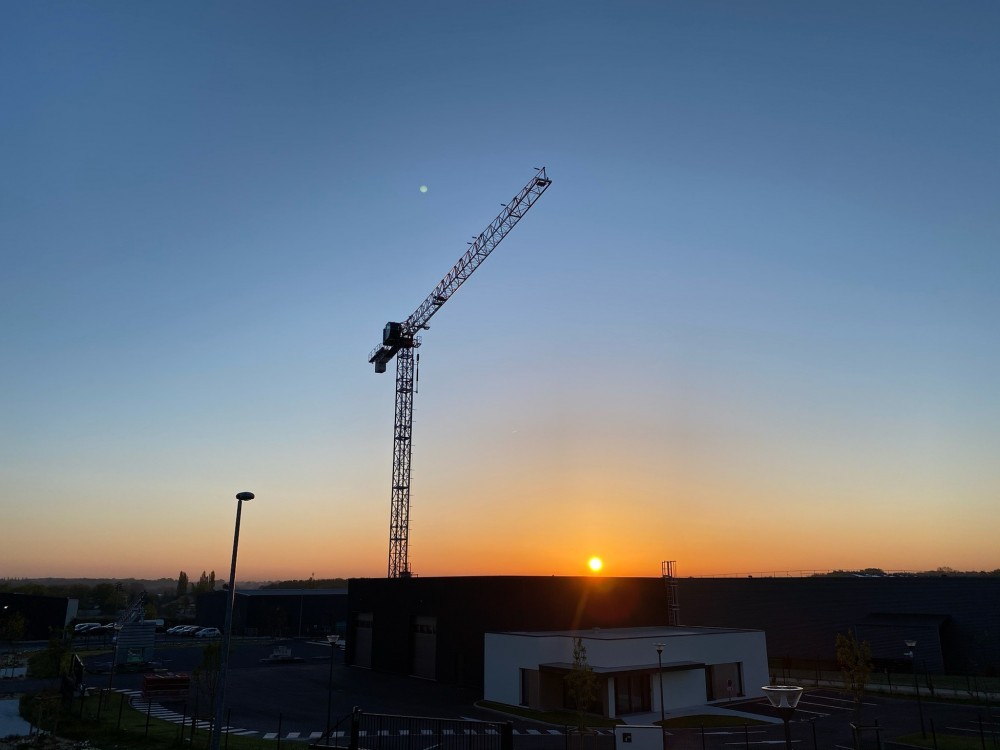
(667, 570)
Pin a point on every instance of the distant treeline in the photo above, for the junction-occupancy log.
(165, 597)
(938, 573)
(109, 591)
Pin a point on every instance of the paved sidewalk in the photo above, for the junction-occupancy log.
(11, 722)
(650, 719)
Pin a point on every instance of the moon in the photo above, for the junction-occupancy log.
(423, 188)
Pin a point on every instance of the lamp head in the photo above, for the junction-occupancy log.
(783, 696)
(244, 496)
(659, 648)
(910, 644)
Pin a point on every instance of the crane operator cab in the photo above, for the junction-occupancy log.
(394, 338)
(392, 335)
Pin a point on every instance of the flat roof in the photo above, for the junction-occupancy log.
(619, 634)
(289, 592)
(668, 666)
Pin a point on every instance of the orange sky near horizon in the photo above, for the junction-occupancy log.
(528, 537)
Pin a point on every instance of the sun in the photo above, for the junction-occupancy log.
(595, 564)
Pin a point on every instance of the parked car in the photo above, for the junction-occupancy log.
(208, 633)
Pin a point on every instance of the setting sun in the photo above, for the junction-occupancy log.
(595, 564)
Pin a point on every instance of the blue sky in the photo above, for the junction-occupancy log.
(751, 326)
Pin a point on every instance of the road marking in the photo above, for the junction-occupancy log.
(825, 697)
(974, 730)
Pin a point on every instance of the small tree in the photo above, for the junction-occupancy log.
(12, 630)
(182, 584)
(855, 660)
(206, 674)
(582, 685)
(57, 654)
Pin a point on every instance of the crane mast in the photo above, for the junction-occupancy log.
(400, 339)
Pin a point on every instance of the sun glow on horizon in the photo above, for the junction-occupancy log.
(595, 564)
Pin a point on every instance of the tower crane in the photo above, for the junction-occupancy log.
(400, 339)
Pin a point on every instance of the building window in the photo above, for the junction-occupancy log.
(632, 693)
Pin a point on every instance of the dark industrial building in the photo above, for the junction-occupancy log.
(434, 627)
(43, 615)
(955, 620)
(288, 613)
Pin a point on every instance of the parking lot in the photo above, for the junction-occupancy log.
(263, 693)
(294, 697)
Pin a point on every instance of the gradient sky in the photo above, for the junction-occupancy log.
(751, 326)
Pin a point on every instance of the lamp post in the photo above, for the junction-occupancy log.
(784, 698)
(220, 686)
(663, 715)
(659, 663)
(332, 640)
(912, 655)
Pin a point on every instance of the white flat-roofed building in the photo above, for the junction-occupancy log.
(697, 666)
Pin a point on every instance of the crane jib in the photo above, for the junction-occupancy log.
(482, 246)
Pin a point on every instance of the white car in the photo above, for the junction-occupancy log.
(208, 633)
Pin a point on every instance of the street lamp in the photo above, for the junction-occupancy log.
(332, 640)
(220, 687)
(663, 715)
(784, 698)
(912, 656)
(659, 662)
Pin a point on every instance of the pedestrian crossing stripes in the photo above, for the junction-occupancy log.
(158, 711)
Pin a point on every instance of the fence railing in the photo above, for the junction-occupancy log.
(974, 688)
